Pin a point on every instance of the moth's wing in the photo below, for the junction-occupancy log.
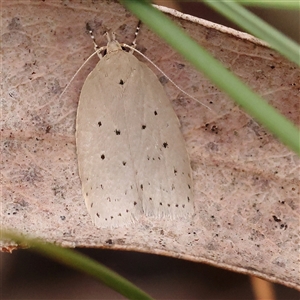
(105, 159)
(161, 160)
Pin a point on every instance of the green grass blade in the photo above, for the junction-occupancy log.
(216, 72)
(82, 263)
(278, 4)
(256, 26)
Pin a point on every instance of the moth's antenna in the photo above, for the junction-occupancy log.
(96, 47)
(132, 49)
(135, 36)
(70, 81)
(97, 51)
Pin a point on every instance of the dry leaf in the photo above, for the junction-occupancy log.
(246, 182)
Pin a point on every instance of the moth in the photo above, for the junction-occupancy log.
(131, 154)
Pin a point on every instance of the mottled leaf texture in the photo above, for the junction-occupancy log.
(246, 184)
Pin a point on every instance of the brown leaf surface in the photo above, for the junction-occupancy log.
(246, 182)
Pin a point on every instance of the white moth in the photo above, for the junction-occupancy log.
(131, 154)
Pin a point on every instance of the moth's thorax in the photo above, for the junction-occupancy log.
(113, 46)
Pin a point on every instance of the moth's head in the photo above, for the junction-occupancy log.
(112, 43)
